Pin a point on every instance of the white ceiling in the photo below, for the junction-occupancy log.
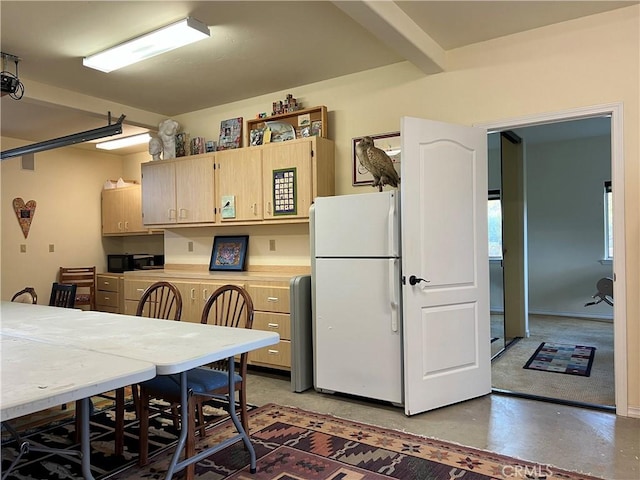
(256, 47)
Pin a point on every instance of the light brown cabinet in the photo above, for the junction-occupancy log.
(239, 178)
(274, 183)
(287, 178)
(195, 295)
(271, 302)
(179, 191)
(133, 290)
(122, 211)
(109, 292)
(270, 293)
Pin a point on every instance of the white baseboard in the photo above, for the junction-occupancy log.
(633, 412)
(608, 318)
(572, 315)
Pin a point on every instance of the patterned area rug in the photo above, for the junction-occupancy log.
(562, 358)
(293, 444)
(104, 462)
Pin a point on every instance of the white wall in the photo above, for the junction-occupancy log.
(66, 185)
(565, 182)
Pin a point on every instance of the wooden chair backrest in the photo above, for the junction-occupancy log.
(229, 306)
(160, 300)
(85, 280)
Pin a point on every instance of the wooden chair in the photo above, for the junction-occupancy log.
(229, 306)
(160, 300)
(62, 295)
(85, 280)
(26, 295)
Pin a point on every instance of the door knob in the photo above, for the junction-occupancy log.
(413, 280)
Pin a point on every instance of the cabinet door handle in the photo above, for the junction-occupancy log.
(171, 213)
(205, 297)
(105, 282)
(269, 208)
(273, 325)
(272, 299)
(107, 298)
(140, 290)
(126, 225)
(273, 352)
(254, 209)
(193, 294)
(183, 213)
(119, 225)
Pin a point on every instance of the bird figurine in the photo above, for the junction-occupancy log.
(378, 163)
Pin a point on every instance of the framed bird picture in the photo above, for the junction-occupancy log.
(388, 142)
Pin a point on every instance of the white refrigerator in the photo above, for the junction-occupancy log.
(356, 292)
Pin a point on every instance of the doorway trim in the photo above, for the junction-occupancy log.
(615, 111)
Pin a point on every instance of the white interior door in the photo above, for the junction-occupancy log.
(447, 355)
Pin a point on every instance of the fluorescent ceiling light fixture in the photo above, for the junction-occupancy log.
(124, 142)
(159, 41)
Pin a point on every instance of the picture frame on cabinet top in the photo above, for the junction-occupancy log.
(229, 252)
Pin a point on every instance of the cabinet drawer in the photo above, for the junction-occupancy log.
(273, 322)
(276, 356)
(105, 308)
(270, 298)
(108, 284)
(130, 307)
(110, 299)
(133, 289)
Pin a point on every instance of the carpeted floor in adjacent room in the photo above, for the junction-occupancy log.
(507, 372)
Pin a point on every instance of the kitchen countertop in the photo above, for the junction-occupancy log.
(273, 274)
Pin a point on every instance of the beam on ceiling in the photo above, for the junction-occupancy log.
(388, 22)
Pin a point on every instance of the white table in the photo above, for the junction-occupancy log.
(38, 375)
(173, 347)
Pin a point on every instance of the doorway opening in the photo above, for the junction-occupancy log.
(565, 158)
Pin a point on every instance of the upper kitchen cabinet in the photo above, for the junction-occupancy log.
(275, 182)
(179, 191)
(287, 179)
(122, 211)
(239, 177)
(294, 173)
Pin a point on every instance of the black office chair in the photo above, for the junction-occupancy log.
(26, 295)
(604, 293)
(62, 295)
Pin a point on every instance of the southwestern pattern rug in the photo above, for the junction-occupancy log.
(294, 444)
(60, 434)
(562, 358)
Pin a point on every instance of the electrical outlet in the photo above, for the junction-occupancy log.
(272, 245)
(190, 246)
(23, 248)
(51, 248)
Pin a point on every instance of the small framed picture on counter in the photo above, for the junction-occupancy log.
(229, 252)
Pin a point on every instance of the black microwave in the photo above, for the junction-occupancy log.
(126, 262)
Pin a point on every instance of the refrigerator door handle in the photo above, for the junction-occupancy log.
(391, 227)
(393, 293)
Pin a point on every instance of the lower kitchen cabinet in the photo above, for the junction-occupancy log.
(109, 292)
(133, 290)
(270, 294)
(271, 307)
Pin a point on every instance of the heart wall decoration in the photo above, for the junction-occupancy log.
(25, 213)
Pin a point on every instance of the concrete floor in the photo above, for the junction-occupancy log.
(589, 441)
